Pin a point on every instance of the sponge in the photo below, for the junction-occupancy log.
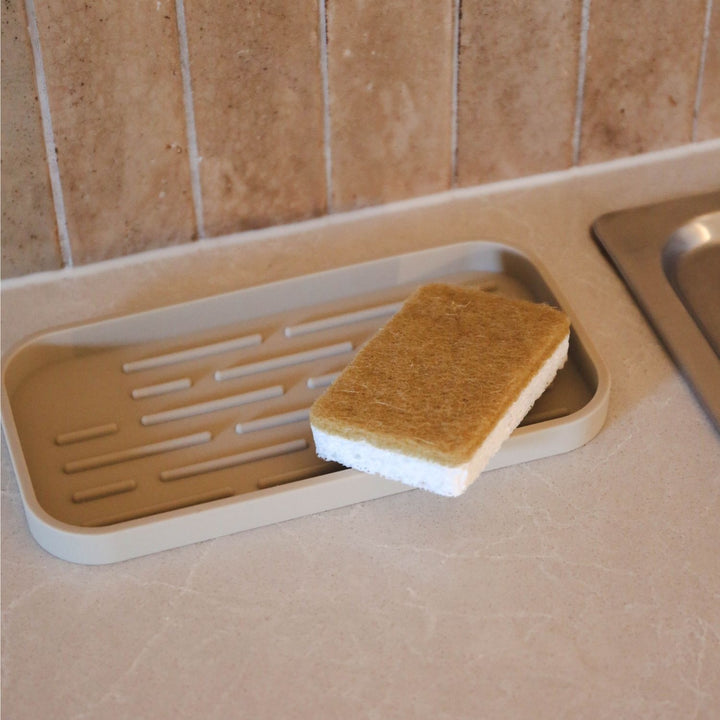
(433, 395)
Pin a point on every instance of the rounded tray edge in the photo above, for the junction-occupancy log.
(186, 526)
(219, 518)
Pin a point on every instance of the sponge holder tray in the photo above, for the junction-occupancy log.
(145, 432)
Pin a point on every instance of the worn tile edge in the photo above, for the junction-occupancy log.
(697, 106)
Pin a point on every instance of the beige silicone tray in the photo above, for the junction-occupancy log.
(150, 431)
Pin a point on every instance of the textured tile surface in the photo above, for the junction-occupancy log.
(517, 88)
(708, 121)
(257, 87)
(116, 95)
(113, 73)
(643, 58)
(29, 234)
(391, 89)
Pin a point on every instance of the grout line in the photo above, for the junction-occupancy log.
(322, 5)
(457, 16)
(701, 69)
(582, 66)
(49, 137)
(193, 155)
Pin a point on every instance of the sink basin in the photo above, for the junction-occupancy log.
(691, 261)
(669, 256)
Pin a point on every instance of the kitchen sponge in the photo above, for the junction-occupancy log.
(434, 393)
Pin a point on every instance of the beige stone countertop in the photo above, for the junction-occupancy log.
(585, 585)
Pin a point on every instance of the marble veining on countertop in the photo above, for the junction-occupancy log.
(581, 585)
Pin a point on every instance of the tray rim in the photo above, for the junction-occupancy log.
(128, 539)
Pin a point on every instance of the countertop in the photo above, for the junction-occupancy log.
(581, 585)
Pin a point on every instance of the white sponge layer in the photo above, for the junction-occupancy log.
(420, 473)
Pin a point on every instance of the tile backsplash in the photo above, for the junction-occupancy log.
(137, 124)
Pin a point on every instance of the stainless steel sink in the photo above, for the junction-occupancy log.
(669, 256)
(691, 261)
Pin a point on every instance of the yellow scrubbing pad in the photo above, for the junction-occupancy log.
(428, 397)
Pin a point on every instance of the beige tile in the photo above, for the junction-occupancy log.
(258, 95)
(115, 87)
(517, 89)
(708, 120)
(29, 232)
(390, 79)
(642, 67)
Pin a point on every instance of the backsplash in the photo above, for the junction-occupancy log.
(137, 124)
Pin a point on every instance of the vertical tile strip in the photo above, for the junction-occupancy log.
(258, 101)
(49, 136)
(701, 69)
(518, 88)
(322, 10)
(582, 64)
(29, 224)
(390, 91)
(457, 15)
(190, 118)
(115, 91)
(642, 66)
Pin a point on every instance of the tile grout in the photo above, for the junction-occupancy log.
(193, 155)
(457, 16)
(580, 93)
(325, 74)
(49, 138)
(701, 69)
